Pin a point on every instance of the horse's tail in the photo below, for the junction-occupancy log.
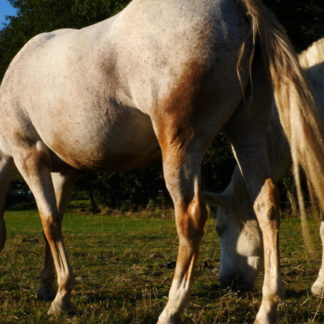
(295, 102)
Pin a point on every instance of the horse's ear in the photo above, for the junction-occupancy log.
(213, 198)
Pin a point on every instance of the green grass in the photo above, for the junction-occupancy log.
(123, 269)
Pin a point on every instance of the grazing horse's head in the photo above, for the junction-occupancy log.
(241, 243)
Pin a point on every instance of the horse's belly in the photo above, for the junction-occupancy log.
(102, 145)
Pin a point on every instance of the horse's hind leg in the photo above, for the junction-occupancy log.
(6, 169)
(63, 185)
(318, 286)
(182, 176)
(34, 165)
(182, 152)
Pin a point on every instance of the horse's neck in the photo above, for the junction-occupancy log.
(316, 76)
(237, 196)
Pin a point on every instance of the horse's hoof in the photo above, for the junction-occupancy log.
(170, 320)
(318, 289)
(264, 317)
(60, 308)
(45, 293)
(262, 321)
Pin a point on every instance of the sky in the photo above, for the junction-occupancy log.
(5, 10)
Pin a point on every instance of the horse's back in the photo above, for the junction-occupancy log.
(312, 60)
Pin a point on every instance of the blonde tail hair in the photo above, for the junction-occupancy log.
(295, 102)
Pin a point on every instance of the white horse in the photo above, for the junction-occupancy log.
(159, 76)
(236, 222)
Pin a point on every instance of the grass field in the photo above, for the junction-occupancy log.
(124, 266)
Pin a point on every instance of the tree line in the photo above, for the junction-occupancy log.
(135, 189)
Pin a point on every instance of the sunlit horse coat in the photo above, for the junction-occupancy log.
(161, 75)
(236, 222)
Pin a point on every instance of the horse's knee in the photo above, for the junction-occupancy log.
(266, 205)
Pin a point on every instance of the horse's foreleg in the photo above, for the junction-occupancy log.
(181, 166)
(251, 153)
(318, 286)
(266, 207)
(33, 164)
(63, 186)
(6, 168)
(250, 149)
